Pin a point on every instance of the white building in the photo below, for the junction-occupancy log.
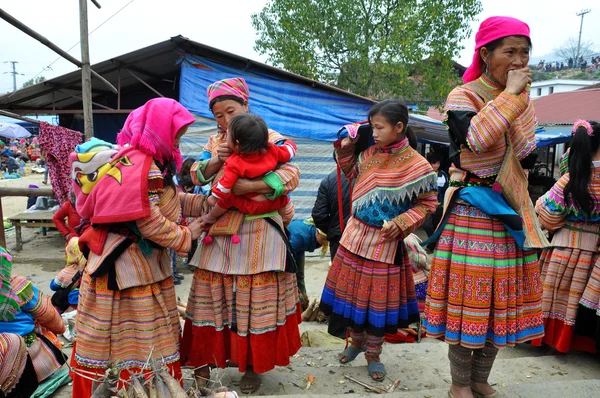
(547, 87)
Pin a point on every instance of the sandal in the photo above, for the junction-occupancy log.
(376, 367)
(478, 394)
(250, 381)
(351, 353)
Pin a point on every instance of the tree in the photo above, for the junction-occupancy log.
(375, 48)
(33, 81)
(569, 50)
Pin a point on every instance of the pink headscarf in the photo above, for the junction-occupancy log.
(152, 129)
(491, 29)
(235, 87)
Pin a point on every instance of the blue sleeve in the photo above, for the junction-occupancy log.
(205, 155)
(73, 297)
(54, 286)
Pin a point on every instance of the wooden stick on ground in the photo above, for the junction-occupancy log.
(365, 385)
(394, 386)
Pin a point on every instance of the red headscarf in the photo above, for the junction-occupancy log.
(491, 29)
(152, 129)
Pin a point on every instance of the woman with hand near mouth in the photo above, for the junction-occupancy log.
(484, 288)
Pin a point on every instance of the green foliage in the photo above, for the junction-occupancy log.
(375, 48)
(31, 82)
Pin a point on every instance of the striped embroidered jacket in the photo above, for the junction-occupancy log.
(485, 135)
(393, 184)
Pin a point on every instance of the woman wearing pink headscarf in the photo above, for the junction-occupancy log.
(243, 306)
(484, 288)
(127, 305)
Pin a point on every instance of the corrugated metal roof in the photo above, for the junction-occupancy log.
(159, 62)
(566, 108)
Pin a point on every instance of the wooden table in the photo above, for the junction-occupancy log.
(34, 219)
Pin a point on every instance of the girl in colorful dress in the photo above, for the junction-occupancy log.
(127, 310)
(25, 311)
(484, 288)
(370, 288)
(253, 156)
(243, 307)
(571, 209)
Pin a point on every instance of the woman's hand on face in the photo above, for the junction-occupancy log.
(390, 230)
(517, 80)
(197, 228)
(223, 152)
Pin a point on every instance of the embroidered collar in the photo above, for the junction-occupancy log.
(395, 148)
(493, 85)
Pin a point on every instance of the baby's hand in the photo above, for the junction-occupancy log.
(212, 201)
(390, 230)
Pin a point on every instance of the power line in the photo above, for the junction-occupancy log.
(49, 67)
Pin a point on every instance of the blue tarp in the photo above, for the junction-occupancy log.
(552, 135)
(291, 109)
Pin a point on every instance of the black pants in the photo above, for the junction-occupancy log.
(333, 248)
(300, 260)
(431, 224)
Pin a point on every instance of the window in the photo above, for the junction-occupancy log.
(539, 91)
(550, 90)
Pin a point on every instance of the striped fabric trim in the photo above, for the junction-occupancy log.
(507, 113)
(13, 357)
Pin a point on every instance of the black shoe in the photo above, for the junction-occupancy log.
(176, 281)
(179, 276)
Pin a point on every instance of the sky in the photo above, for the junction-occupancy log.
(223, 24)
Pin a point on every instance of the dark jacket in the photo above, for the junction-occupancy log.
(325, 212)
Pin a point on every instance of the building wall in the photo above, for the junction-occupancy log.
(547, 87)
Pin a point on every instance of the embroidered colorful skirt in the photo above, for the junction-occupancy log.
(124, 325)
(250, 320)
(482, 286)
(566, 274)
(363, 294)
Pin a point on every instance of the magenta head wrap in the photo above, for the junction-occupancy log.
(491, 29)
(153, 127)
(235, 87)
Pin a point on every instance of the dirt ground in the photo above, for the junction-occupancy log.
(13, 205)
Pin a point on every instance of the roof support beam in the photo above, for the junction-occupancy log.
(68, 111)
(25, 29)
(136, 77)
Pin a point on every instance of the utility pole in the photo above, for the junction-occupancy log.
(86, 74)
(14, 73)
(580, 14)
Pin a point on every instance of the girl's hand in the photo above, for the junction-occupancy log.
(197, 228)
(347, 142)
(390, 230)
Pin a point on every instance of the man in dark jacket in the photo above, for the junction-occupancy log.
(325, 212)
(442, 185)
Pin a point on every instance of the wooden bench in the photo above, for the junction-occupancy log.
(36, 219)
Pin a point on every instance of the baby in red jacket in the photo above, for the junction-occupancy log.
(253, 156)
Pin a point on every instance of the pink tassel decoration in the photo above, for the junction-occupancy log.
(207, 240)
(496, 187)
(235, 239)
